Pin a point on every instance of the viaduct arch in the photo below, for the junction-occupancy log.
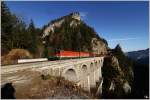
(85, 74)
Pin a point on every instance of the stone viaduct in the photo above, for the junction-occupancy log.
(84, 72)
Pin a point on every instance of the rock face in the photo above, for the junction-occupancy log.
(98, 47)
(112, 86)
(71, 33)
(115, 84)
(51, 27)
(126, 87)
(115, 63)
(58, 23)
(76, 16)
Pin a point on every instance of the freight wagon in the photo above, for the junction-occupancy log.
(61, 54)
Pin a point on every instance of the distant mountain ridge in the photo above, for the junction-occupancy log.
(141, 72)
(136, 55)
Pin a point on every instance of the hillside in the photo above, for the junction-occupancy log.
(71, 33)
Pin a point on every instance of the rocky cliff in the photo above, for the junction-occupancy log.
(118, 75)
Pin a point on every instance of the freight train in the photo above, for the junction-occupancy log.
(58, 55)
(61, 54)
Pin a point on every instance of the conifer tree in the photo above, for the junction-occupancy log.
(33, 37)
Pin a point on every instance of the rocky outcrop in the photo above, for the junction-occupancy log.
(112, 86)
(51, 27)
(127, 87)
(76, 16)
(98, 47)
(125, 84)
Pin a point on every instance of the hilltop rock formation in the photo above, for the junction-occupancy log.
(71, 33)
(57, 23)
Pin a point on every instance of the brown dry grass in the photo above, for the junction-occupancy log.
(14, 55)
(54, 87)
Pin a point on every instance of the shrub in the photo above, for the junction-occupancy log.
(45, 77)
(14, 55)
